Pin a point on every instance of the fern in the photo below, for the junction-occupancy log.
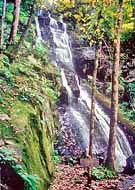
(103, 173)
(132, 89)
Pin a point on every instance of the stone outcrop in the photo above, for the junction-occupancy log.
(83, 58)
(129, 71)
(27, 117)
(130, 165)
(31, 139)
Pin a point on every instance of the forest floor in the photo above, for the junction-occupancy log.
(73, 178)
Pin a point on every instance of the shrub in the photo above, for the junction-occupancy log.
(56, 157)
(103, 173)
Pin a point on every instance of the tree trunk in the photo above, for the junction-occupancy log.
(110, 161)
(2, 22)
(92, 116)
(25, 30)
(15, 21)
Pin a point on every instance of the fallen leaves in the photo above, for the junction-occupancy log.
(72, 178)
(132, 187)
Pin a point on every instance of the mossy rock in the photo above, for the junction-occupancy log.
(32, 136)
(29, 92)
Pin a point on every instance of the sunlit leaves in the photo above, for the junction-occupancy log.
(98, 19)
(78, 17)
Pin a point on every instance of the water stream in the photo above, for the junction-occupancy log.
(75, 116)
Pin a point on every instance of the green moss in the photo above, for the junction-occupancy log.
(30, 130)
(29, 102)
(32, 136)
(6, 131)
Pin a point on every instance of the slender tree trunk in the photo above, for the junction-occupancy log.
(110, 161)
(18, 46)
(15, 21)
(2, 23)
(92, 116)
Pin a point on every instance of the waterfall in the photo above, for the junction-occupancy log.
(38, 29)
(65, 84)
(123, 150)
(75, 119)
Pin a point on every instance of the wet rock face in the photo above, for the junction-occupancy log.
(63, 96)
(128, 71)
(66, 142)
(84, 61)
(73, 84)
(130, 165)
(44, 18)
(44, 22)
(36, 145)
(83, 56)
(71, 80)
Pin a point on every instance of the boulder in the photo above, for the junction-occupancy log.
(83, 58)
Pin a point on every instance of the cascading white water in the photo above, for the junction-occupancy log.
(77, 114)
(38, 29)
(65, 83)
(122, 150)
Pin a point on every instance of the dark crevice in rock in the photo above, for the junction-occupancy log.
(9, 178)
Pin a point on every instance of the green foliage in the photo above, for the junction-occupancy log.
(103, 13)
(34, 90)
(34, 87)
(5, 130)
(24, 14)
(122, 81)
(4, 60)
(9, 11)
(1, 98)
(132, 89)
(128, 25)
(24, 96)
(32, 75)
(7, 76)
(127, 112)
(125, 107)
(6, 156)
(40, 49)
(51, 92)
(23, 17)
(30, 180)
(56, 157)
(100, 173)
(61, 6)
(39, 69)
